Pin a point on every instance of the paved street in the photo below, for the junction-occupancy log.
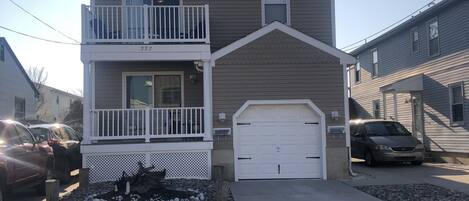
(451, 176)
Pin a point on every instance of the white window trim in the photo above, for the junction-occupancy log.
(153, 74)
(375, 75)
(428, 37)
(359, 73)
(286, 2)
(450, 86)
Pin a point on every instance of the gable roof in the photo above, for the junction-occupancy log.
(409, 24)
(344, 57)
(4, 42)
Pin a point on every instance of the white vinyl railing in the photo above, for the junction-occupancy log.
(147, 123)
(145, 24)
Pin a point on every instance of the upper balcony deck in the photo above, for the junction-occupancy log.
(145, 24)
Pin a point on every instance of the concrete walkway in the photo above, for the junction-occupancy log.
(450, 176)
(296, 190)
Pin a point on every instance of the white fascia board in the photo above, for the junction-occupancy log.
(145, 52)
(344, 57)
(146, 147)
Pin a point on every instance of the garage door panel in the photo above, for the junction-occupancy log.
(277, 141)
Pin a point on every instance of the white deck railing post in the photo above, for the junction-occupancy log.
(207, 100)
(145, 25)
(147, 124)
(84, 23)
(86, 103)
(207, 24)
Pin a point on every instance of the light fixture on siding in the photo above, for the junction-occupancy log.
(193, 78)
(335, 115)
(222, 117)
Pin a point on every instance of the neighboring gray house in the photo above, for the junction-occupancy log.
(418, 74)
(255, 86)
(55, 104)
(18, 95)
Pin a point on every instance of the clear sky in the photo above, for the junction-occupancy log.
(355, 20)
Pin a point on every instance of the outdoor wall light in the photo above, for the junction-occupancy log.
(193, 78)
(335, 115)
(221, 116)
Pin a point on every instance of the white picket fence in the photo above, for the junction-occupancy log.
(145, 23)
(147, 123)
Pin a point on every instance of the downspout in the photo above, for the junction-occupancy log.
(347, 119)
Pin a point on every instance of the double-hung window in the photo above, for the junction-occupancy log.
(376, 109)
(414, 35)
(434, 38)
(275, 10)
(375, 70)
(358, 70)
(456, 96)
(2, 53)
(20, 108)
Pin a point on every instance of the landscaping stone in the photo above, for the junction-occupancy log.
(204, 190)
(413, 192)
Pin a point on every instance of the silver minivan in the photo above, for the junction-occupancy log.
(384, 141)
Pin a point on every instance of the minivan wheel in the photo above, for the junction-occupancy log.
(369, 160)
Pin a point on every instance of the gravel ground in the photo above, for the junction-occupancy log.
(205, 186)
(413, 192)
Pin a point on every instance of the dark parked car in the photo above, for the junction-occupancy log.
(24, 161)
(384, 141)
(66, 145)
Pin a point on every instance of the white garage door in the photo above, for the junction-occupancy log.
(279, 141)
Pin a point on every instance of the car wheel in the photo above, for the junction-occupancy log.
(369, 160)
(63, 173)
(417, 162)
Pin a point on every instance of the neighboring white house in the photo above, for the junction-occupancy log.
(18, 95)
(55, 104)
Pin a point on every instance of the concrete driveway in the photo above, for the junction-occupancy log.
(450, 176)
(296, 190)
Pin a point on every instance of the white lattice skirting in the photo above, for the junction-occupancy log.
(189, 164)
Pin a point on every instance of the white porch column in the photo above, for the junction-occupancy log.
(394, 96)
(87, 102)
(208, 100)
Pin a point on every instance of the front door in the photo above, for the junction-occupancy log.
(417, 116)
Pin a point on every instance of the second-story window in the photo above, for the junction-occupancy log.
(358, 69)
(434, 38)
(374, 61)
(2, 53)
(414, 34)
(275, 10)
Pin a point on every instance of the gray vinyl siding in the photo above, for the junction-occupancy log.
(277, 66)
(109, 81)
(395, 53)
(230, 20)
(13, 83)
(397, 62)
(438, 74)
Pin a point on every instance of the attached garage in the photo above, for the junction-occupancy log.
(279, 139)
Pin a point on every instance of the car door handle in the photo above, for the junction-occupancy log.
(244, 158)
(313, 157)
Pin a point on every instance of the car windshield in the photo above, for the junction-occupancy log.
(386, 129)
(40, 133)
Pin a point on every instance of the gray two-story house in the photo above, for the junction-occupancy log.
(254, 86)
(418, 74)
(18, 94)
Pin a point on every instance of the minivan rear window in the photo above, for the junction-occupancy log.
(385, 129)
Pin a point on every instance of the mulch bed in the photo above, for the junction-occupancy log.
(413, 192)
